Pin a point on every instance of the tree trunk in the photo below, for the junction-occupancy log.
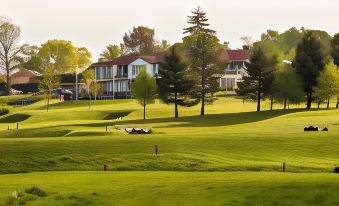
(144, 109)
(48, 96)
(271, 102)
(202, 111)
(285, 103)
(309, 96)
(319, 104)
(89, 98)
(259, 95)
(328, 103)
(90, 102)
(337, 105)
(8, 83)
(176, 114)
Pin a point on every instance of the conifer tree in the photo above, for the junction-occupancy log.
(257, 82)
(309, 61)
(175, 83)
(204, 52)
(335, 55)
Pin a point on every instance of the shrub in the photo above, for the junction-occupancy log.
(36, 191)
(59, 197)
(22, 202)
(336, 169)
(4, 111)
(10, 201)
(65, 158)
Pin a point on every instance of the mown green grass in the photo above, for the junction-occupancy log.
(175, 188)
(231, 137)
(226, 141)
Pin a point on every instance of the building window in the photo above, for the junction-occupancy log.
(137, 68)
(108, 73)
(154, 70)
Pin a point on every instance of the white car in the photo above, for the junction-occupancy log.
(16, 92)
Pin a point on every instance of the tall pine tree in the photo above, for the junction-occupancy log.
(309, 61)
(335, 55)
(204, 51)
(257, 83)
(175, 83)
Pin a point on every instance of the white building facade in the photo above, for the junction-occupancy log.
(115, 77)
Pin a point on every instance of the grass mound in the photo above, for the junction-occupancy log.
(115, 115)
(15, 118)
(35, 132)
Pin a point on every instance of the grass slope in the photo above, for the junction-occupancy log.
(230, 138)
(174, 188)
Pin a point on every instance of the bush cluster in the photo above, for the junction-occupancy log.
(36, 191)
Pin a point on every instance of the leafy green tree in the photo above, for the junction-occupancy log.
(309, 61)
(204, 51)
(144, 89)
(141, 41)
(335, 55)
(291, 38)
(10, 53)
(270, 35)
(111, 52)
(287, 85)
(59, 55)
(335, 49)
(50, 80)
(175, 79)
(65, 57)
(325, 39)
(88, 79)
(258, 80)
(82, 59)
(328, 83)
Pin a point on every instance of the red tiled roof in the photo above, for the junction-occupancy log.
(235, 55)
(230, 55)
(126, 60)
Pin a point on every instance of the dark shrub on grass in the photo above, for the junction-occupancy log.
(59, 197)
(4, 111)
(336, 169)
(36, 191)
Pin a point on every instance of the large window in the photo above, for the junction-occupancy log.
(122, 71)
(137, 68)
(103, 73)
(121, 86)
(108, 72)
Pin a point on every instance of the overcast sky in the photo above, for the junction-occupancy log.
(97, 23)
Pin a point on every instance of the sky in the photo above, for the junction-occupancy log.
(97, 23)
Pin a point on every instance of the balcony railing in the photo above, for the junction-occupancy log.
(232, 72)
(121, 76)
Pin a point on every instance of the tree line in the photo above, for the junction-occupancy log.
(292, 67)
(289, 68)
